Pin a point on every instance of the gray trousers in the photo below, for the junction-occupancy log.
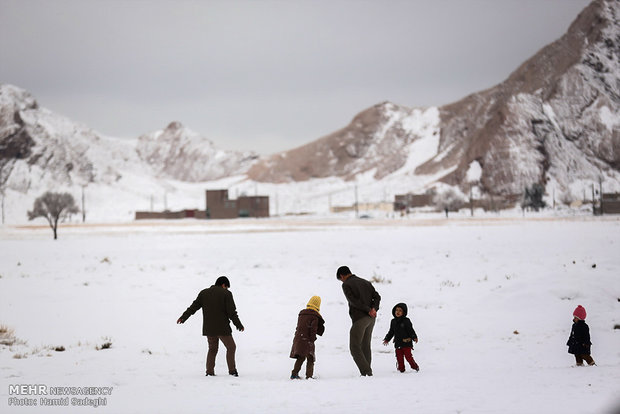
(360, 337)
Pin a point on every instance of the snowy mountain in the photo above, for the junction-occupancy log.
(555, 120)
(49, 146)
(179, 153)
(375, 141)
(41, 150)
(39, 147)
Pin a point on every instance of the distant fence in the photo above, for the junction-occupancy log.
(488, 202)
(381, 206)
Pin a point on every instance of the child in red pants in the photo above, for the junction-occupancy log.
(404, 337)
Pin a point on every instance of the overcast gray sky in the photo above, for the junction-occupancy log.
(263, 75)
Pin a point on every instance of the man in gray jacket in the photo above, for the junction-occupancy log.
(218, 308)
(363, 306)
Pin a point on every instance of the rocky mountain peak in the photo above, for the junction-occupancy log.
(547, 122)
(15, 141)
(178, 152)
(174, 126)
(372, 142)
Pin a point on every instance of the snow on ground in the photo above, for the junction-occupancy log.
(491, 301)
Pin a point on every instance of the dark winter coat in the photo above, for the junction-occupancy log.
(361, 296)
(218, 307)
(401, 329)
(309, 325)
(579, 339)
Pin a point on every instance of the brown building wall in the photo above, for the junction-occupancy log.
(257, 206)
(403, 201)
(221, 207)
(611, 203)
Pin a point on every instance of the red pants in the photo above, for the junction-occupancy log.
(401, 355)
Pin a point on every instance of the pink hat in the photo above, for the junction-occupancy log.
(580, 312)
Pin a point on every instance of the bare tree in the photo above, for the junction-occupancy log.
(53, 207)
(448, 200)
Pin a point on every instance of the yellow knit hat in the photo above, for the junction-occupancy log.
(314, 303)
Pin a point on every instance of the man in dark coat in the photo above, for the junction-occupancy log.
(218, 308)
(363, 306)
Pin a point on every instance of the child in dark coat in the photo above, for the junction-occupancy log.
(579, 339)
(309, 325)
(404, 337)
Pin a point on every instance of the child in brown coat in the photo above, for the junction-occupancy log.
(309, 325)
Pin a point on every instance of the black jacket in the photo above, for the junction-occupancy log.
(579, 339)
(218, 307)
(401, 329)
(361, 296)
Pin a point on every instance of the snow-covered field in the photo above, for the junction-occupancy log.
(491, 301)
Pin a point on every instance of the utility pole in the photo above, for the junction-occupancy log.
(83, 206)
(593, 204)
(2, 193)
(3, 206)
(357, 213)
(600, 191)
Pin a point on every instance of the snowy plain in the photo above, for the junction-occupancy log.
(490, 298)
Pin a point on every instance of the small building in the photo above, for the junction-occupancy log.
(219, 206)
(170, 215)
(610, 203)
(407, 201)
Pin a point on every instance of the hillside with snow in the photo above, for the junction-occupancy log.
(555, 121)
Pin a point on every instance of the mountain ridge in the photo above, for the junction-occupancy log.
(554, 121)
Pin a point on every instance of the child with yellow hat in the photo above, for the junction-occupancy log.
(310, 323)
